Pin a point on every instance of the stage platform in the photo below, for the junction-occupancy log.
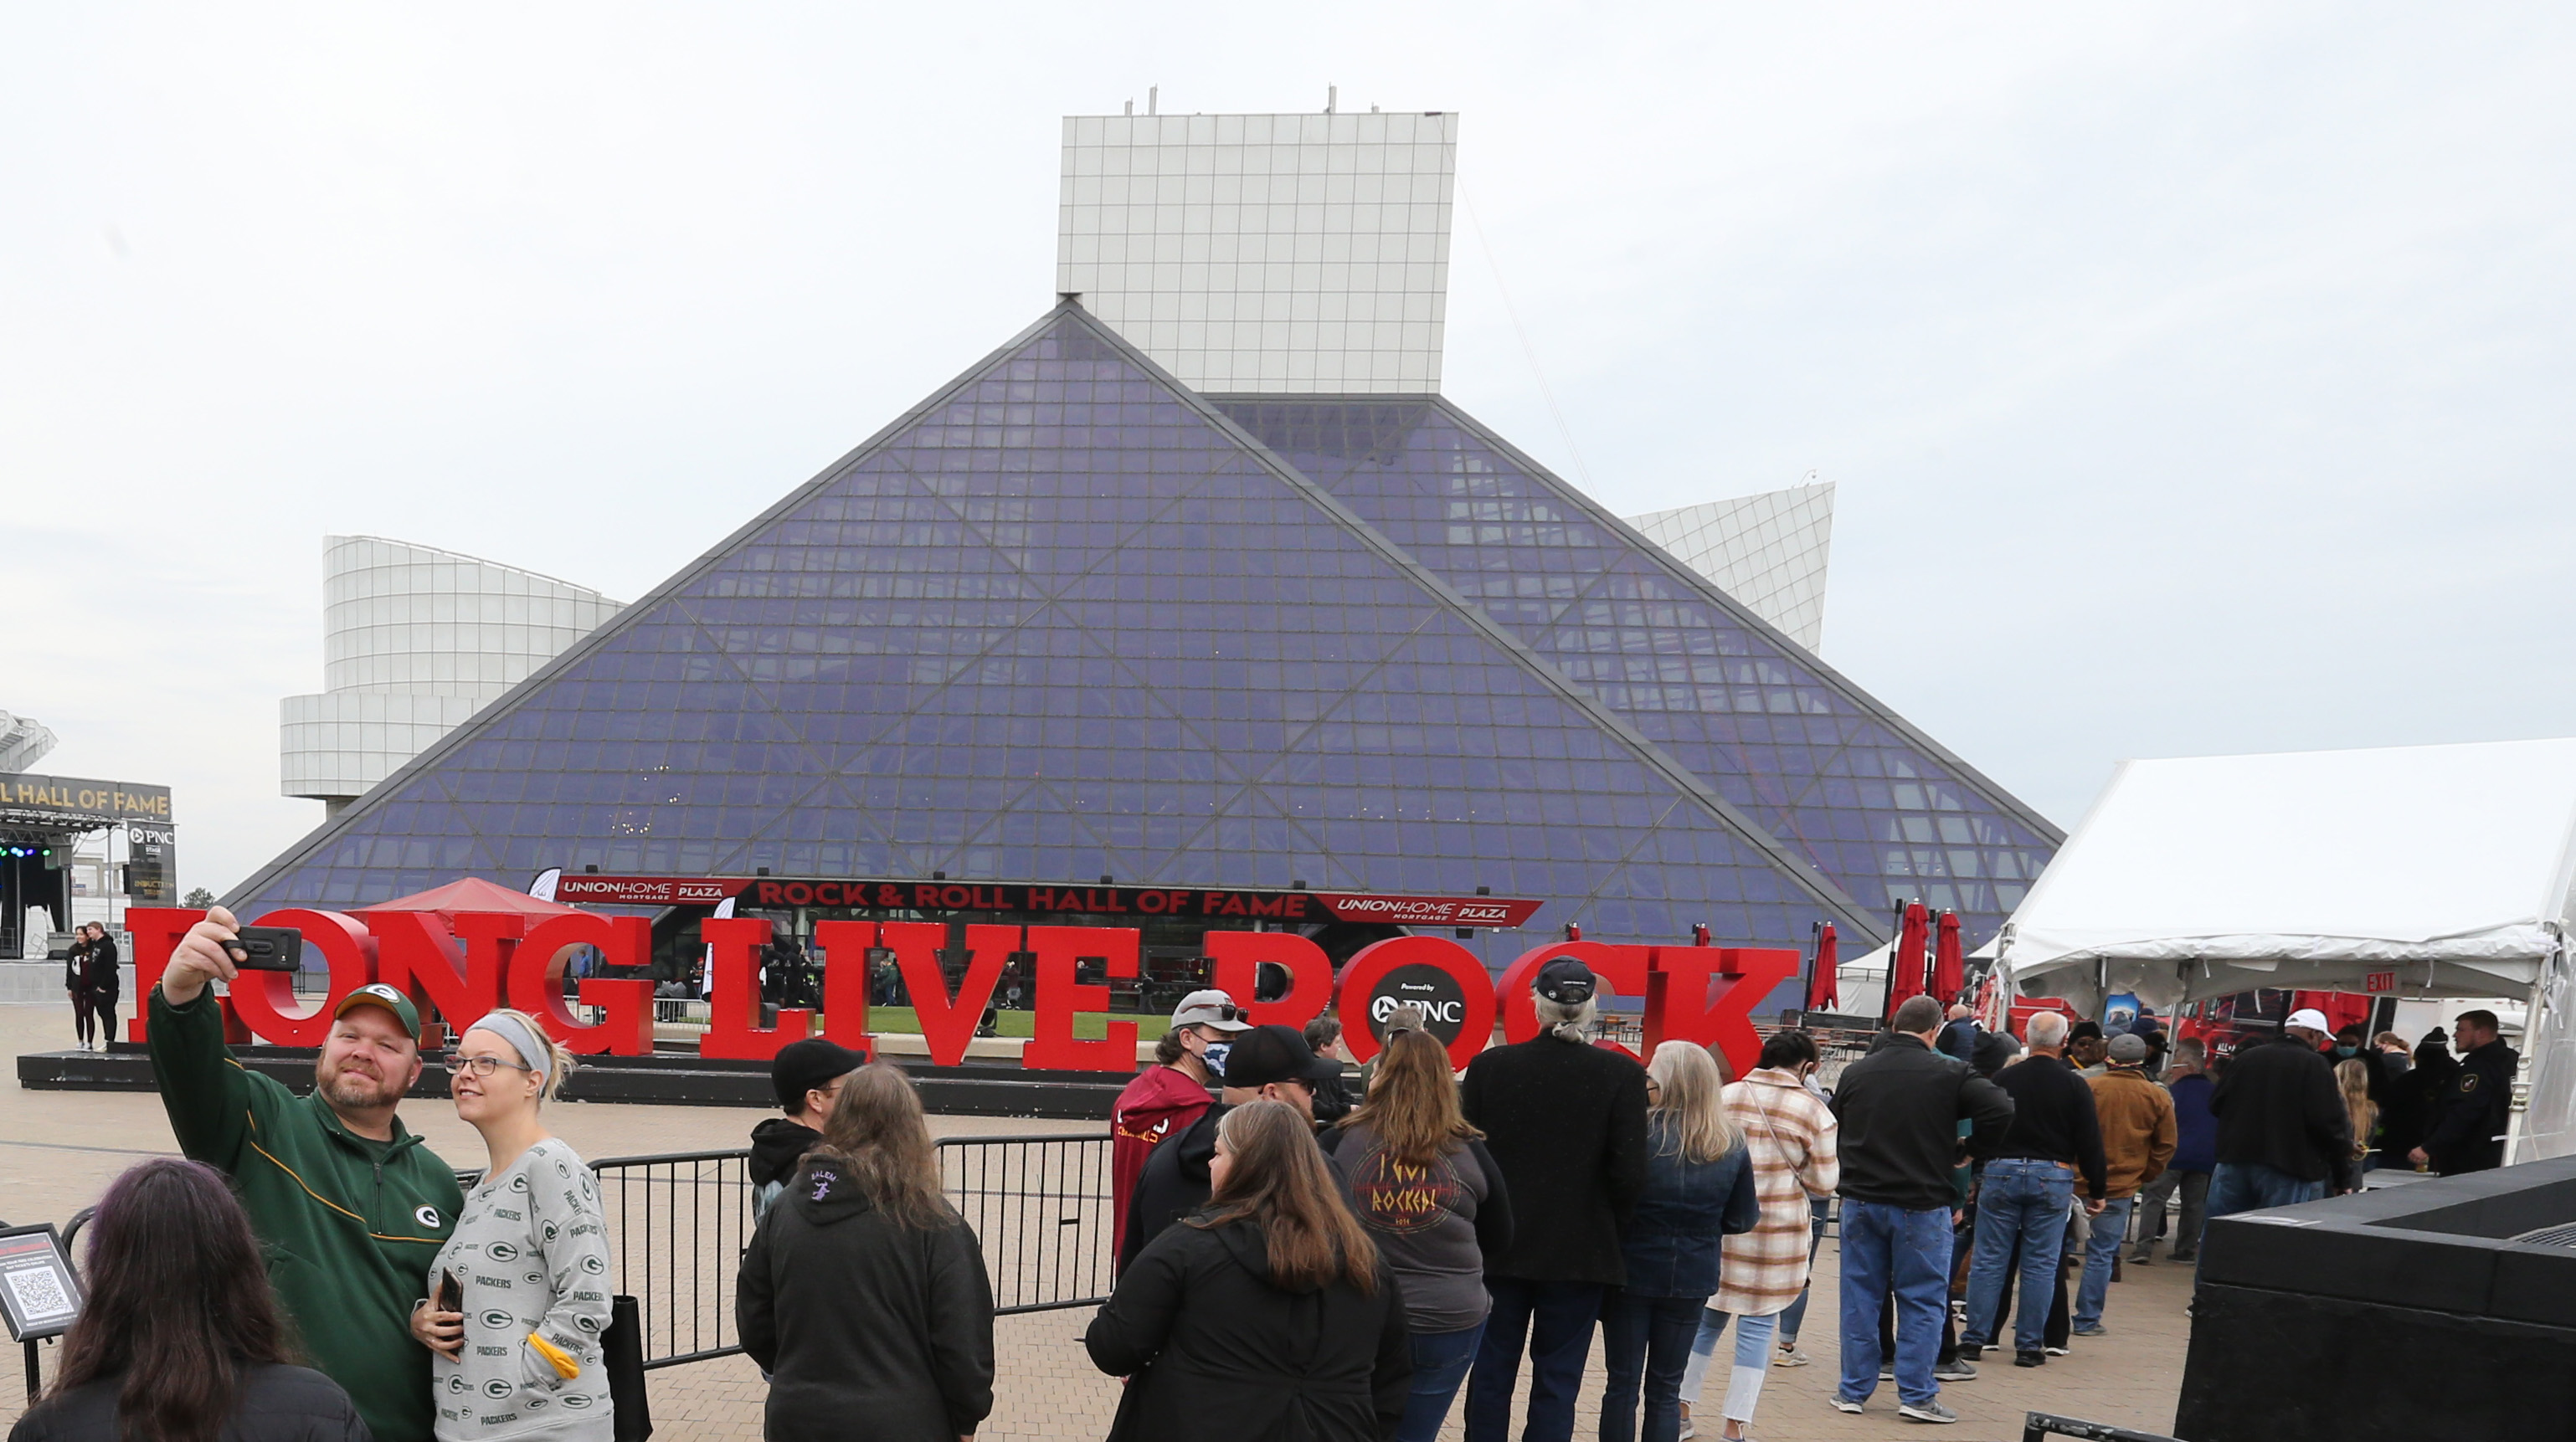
(667, 1078)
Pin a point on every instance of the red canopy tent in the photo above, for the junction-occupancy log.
(1949, 965)
(471, 894)
(1905, 958)
(1824, 988)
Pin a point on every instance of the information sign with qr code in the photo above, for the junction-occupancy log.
(39, 1292)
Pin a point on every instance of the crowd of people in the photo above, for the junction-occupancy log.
(1291, 1263)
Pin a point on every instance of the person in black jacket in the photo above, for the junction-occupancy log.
(92, 978)
(807, 1077)
(1266, 1063)
(2027, 1190)
(181, 1338)
(2283, 1132)
(2470, 1116)
(863, 1293)
(1900, 1108)
(1566, 1121)
(1268, 1317)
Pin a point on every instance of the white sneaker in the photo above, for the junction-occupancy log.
(1789, 1357)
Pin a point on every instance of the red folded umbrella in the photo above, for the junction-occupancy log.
(1824, 990)
(1949, 967)
(1905, 959)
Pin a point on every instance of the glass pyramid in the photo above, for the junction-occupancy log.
(1065, 619)
(1834, 776)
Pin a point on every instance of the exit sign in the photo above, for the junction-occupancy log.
(2379, 981)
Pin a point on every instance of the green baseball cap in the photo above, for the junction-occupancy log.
(376, 993)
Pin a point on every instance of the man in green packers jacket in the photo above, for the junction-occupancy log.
(351, 1207)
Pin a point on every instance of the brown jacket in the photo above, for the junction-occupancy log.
(2137, 1128)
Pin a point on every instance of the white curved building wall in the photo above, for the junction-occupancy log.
(1768, 551)
(416, 640)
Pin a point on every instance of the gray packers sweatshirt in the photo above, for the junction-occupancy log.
(531, 1253)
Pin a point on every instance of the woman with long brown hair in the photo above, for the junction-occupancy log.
(180, 1339)
(863, 1293)
(2352, 1079)
(1267, 1316)
(1432, 1198)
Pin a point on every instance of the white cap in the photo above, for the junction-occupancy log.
(1210, 1008)
(2310, 1019)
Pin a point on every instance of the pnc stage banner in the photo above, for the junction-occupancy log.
(457, 972)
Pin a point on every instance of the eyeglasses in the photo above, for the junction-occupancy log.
(482, 1066)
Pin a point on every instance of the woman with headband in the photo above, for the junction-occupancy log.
(518, 1297)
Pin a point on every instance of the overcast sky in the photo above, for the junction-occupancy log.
(2196, 380)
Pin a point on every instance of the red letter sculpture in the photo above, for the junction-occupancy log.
(536, 983)
(1239, 957)
(845, 946)
(416, 956)
(734, 1032)
(1052, 1046)
(156, 930)
(948, 1025)
(1620, 968)
(1678, 1006)
(1377, 959)
(263, 997)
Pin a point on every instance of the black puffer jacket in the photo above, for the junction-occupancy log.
(1900, 1109)
(865, 1326)
(1210, 1344)
(277, 1404)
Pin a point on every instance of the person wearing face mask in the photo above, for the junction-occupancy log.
(1168, 1098)
(1264, 1063)
(519, 1355)
(350, 1206)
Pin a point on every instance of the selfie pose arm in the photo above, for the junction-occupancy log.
(212, 1100)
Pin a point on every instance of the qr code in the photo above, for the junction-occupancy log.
(38, 1294)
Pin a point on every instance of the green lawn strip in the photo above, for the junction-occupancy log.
(1087, 1025)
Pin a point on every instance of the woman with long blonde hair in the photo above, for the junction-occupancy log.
(863, 1293)
(2352, 1078)
(1421, 1181)
(1269, 1314)
(1699, 1190)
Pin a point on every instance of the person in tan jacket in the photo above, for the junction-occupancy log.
(2137, 1119)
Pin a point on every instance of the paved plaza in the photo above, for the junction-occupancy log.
(58, 1150)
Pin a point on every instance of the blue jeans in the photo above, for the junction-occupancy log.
(2100, 1251)
(1904, 1251)
(1796, 1317)
(1440, 1362)
(2025, 1201)
(1555, 1320)
(1753, 1336)
(1645, 1343)
(2251, 1187)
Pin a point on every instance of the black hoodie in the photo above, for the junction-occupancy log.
(867, 1327)
(1209, 1343)
(777, 1145)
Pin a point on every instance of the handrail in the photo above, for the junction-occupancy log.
(2036, 1425)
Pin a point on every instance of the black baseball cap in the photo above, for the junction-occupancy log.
(808, 1065)
(1269, 1054)
(1565, 981)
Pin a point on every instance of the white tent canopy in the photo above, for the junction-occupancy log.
(2423, 871)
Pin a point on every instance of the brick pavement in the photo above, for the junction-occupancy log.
(59, 1149)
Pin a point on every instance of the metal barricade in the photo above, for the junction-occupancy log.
(677, 1227)
(2038, 1425)
(679, 1222)
(1041, 1206)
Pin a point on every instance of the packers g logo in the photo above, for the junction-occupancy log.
(593, 1264)
(427, 1217)
(496, 1318)
(578, 1400)
(456, 1385)
(586, 1323)
(502, 1252)
(496, 1389)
